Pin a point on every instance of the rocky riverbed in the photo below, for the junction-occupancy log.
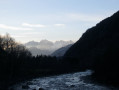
(71, 81)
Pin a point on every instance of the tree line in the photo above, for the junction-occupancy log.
(17, 63)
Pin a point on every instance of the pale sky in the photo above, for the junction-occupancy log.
(27, 20)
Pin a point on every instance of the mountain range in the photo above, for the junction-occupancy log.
(45, 47)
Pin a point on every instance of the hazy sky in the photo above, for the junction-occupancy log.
(27, 20)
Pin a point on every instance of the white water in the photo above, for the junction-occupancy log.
(61, 82)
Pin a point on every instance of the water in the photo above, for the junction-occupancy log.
(61, 82)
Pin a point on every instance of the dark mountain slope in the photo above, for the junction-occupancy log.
(98, 49)
(61, 51)
(95, 35)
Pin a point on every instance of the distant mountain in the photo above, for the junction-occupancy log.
(31, 43)
(45, 47)
(36, 51)
(61, 51)
(43, 44)
(98, 49)
(62, 43)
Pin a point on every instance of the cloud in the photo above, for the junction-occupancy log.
(33, 25)
(73, 17)
(32, 33)
(28, 34)
(18, 36)
(86, 17)
(13, 28)
(59, 25)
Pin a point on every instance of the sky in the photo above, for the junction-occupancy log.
(27, 20)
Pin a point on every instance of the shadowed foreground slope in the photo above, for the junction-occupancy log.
(98, 49)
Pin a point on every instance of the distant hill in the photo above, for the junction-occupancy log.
(45, 47)
(98, 49)
(61, 51)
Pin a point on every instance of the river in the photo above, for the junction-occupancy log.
(71, 81)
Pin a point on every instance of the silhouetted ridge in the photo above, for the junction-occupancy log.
(105, 28)
(98, 49)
